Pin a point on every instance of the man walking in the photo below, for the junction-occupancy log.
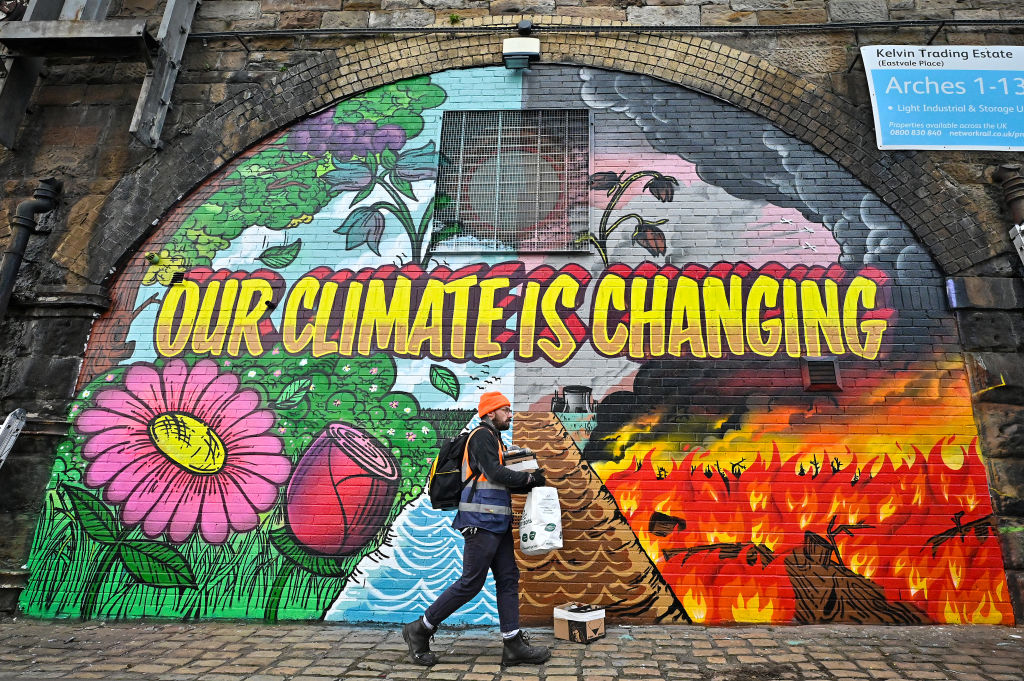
(485, 520)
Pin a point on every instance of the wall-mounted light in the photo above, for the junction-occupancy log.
(517, 53)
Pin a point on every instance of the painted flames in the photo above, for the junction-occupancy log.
(781, 524)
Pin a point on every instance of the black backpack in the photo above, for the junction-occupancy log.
(444, 484)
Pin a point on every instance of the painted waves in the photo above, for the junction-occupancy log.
(421, 559)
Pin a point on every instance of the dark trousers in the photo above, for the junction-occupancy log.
(484, 550)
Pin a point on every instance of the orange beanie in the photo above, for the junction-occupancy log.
(491, 401)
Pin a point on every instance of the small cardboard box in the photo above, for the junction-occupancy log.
(579, 623)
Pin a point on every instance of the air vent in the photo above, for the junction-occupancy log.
(821, 373)
(177, 277)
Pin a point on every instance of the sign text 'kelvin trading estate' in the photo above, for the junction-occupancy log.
(947, 97)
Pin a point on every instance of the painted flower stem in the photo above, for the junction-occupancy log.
(604, 230)
(270, 615)
(92, 589)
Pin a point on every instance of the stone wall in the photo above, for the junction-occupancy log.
(228, 96)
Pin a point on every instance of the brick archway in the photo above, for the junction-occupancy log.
(942, 216)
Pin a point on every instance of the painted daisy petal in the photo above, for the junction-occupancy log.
(124, 403)
(185, 513)
(213, 520)
(143, 381)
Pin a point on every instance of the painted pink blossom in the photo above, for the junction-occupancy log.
(180, 448)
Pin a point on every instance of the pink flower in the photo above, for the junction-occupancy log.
(410, 436)
(180, 448)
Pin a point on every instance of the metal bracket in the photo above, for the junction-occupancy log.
(21, 74)
(155, 96)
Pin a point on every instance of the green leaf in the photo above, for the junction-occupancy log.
(366, 191)
(293, 393)
(93, 515)
(444, 380)
(403, 186)
(283, 541)
(281, 256)
(156, 564)
(388, 158)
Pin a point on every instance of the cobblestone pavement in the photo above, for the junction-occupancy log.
(232, 651)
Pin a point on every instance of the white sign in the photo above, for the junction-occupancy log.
(946, 96)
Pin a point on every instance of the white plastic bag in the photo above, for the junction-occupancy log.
(540, 529)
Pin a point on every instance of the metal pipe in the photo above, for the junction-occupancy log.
(23, 225)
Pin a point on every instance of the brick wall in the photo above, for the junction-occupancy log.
(233, 92)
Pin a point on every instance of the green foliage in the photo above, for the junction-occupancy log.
(395, 104)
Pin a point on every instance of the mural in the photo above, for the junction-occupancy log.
(257, 411)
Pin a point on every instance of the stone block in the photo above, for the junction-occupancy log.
(858, 10)
(229, 9)
(1006, 479)
(301, 5)
(996, 376)
(718, 15)
(795, 16)
(300, 19)
(1007, 506)
(993, 293)
(1011, 538)
(1001, 427)
(991, 330)
(755, 5)
(401, 18)
(514, 7)
(664, 16)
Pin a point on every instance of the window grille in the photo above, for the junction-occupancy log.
(513, 180)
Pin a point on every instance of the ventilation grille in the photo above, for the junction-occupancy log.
(821, 373)
(513, 180)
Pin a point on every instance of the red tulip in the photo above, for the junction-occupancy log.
(341, 492)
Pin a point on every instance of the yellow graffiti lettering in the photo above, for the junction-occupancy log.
(686, 321)
(647, 321)
(484, 345)
(610, 292)
(185, 296)
(248, 315)
(460, 289)
(821, 317)
(322, 321)
(390, 321)
(862, 292)
(428, 326)
(764, 294)
(528, 319)
(303, 294)
(564, 289)
(723, 313)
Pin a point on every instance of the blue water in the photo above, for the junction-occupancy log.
(398, 582)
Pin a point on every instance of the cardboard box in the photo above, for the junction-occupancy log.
(579, 622)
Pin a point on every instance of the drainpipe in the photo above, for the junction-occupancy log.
(1009, 176)
(23, 225)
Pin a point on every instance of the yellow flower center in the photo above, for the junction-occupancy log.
(188, 442)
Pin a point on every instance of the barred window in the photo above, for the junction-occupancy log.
(513, 180)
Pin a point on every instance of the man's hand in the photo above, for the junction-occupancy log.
(537, 479)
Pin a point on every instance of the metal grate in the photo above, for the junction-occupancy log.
(513, 180)
(821, 373)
